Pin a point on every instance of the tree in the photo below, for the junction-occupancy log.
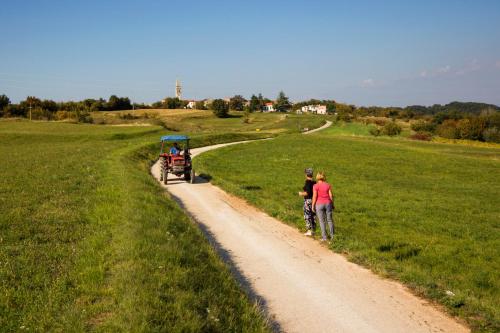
(200, 105)
(118, 103)
(237, 103)
(255, 104)
(4, 101)
(282, 103)
(220, 108)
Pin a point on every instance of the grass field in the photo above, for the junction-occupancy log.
(203, 121)
(89, 241)
(425, 213)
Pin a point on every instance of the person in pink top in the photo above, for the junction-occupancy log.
(322, 204)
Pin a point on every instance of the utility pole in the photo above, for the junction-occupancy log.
(30, 109)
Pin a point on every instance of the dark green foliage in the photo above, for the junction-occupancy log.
(282, 103)
(220, 108)
(256, 103)
(4, 101)
(237, 103)
(118, 103)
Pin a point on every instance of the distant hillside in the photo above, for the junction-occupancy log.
(453, 107)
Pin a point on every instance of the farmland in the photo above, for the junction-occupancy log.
(89, 241)
(422, 212)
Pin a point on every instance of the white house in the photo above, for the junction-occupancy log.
(268, 107)
(191, 105)
(317, 109)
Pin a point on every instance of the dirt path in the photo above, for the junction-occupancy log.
(304, 286)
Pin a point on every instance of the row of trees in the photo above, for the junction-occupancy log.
(36, 108)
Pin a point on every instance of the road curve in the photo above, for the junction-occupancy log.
(303, 286)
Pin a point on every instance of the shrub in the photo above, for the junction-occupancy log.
(380, 122)
(491, 134)
(220, 108)
(448, 129)
(423, 126)
(375, 131)
(423, 136)
(391, 129)
(61, 115)
(344, 116)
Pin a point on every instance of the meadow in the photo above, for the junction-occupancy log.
(90, 242)
(196, 121)
(424, 213)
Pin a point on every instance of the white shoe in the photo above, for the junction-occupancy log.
(308, 233)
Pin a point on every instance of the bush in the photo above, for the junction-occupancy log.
(375, 131)
(423, 136)
(220, 108)
(344, 116)
(491, 134)
(423, 126)
(391, 129)
(448, 129)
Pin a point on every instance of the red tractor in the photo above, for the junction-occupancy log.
(175, 159)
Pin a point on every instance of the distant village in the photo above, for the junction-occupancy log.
(265, 105)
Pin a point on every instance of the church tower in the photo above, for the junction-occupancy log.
(178, 89)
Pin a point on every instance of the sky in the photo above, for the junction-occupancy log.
(387, 53)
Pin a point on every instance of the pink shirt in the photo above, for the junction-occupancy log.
(323, 196)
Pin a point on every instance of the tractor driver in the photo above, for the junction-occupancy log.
(175, 150)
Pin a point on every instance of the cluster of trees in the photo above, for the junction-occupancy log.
(170, 103)
(456, 120)
(36, 108)
(482, 127)
(454, 110)
(256, 103)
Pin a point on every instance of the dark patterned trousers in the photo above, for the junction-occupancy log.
(309, 217)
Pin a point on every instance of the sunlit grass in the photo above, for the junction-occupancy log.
(90, 242)
(425, 213)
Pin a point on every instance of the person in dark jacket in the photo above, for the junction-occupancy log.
(307, 194)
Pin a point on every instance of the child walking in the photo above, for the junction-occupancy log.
(307, 193)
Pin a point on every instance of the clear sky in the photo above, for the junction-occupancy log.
(359, 52)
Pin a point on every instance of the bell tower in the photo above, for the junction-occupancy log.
(178, 89)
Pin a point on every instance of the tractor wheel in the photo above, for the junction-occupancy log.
(191, 176)
(187, 176)
(165, 177)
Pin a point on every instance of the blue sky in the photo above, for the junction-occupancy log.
(359, 52)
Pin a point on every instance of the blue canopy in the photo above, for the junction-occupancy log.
(174, 138)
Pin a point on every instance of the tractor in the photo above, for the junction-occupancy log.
(175, 159)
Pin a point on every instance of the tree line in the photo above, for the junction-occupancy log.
(36, 108)
(456, 120)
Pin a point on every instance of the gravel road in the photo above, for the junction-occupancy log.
(302, 285)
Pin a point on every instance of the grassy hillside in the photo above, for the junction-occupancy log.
(425, 213)
(203, 121)
(89, 241)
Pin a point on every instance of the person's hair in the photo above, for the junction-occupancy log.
(321, 176)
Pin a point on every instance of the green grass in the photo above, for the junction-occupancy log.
(90, 242)
(204, 121)
(424, 213)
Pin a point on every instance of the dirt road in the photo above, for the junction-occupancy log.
(303, 286)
